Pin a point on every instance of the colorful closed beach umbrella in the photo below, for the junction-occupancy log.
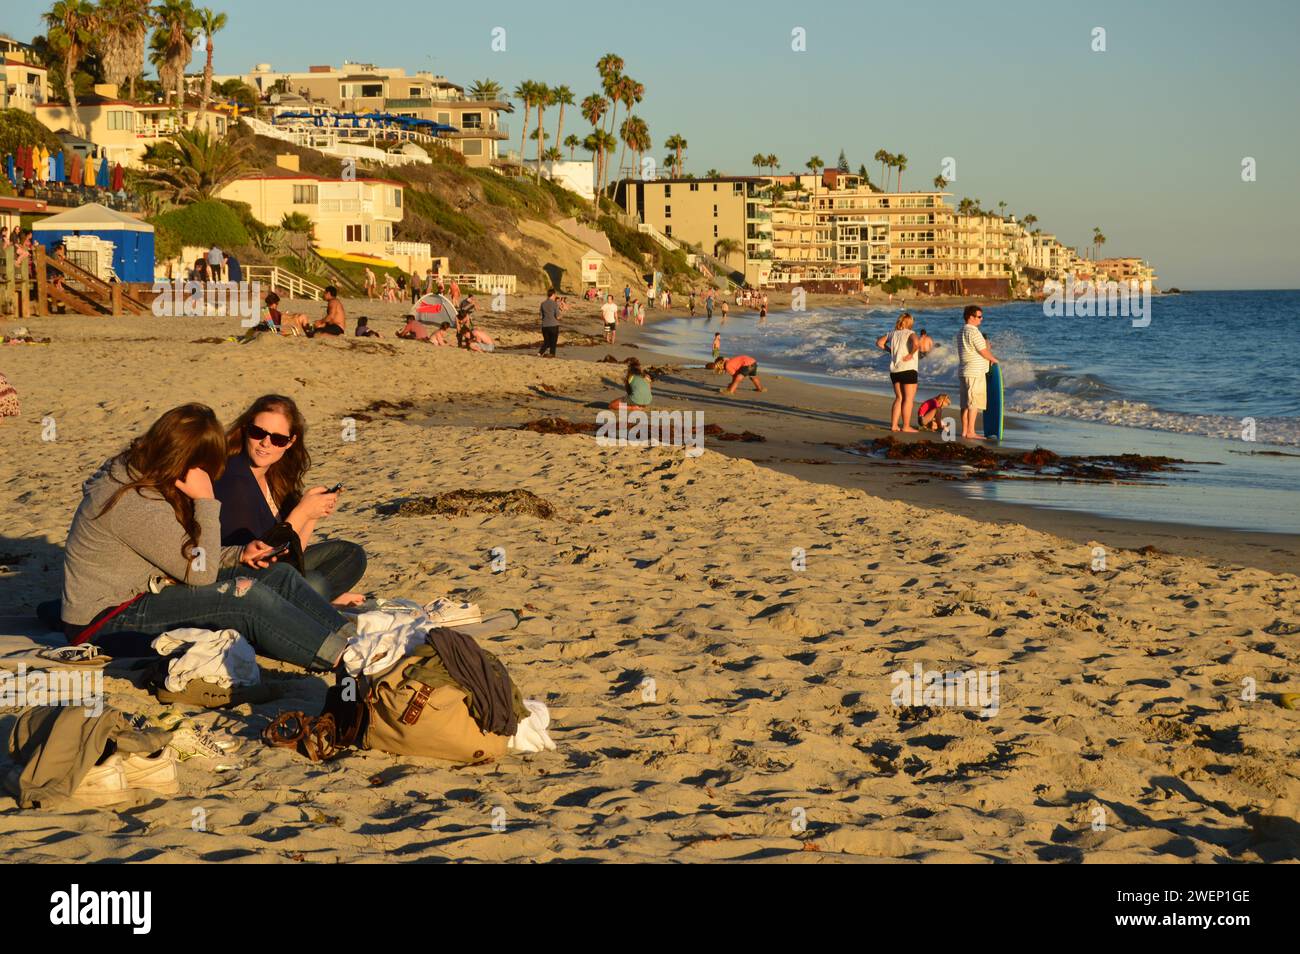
(104, 178)
(11, 169)
(75, 170)
(60, 167)
(119, 177)
(43, 165)
(88, 175)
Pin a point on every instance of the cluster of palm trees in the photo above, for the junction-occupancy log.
(889, 160)
(123, 33)
(767, 161)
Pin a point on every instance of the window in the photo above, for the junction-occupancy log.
(738, 187)
(668, 211)
(471, 120)
(715, 211)
(305, 194)
(668, 192)
(715, 187)
(353, 233)
(372, 89)
(413, 91)
(120, 119)
(444, 118)
(695, 187)
(397, 198)
(472, 147)
(668, 231)
(715, 231)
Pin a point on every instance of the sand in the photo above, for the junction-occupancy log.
(712, 697)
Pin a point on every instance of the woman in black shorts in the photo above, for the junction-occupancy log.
(904, 356)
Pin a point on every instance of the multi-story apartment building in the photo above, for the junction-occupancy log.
(705, 213)
(1125, 270)
(23, 81)
(366, 88)
(354, 216)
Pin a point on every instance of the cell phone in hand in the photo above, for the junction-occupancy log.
(279, 551)
(335, 489)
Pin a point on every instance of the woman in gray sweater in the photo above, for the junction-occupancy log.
(144, 556)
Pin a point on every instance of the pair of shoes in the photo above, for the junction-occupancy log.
(190, 740)
(120, 778)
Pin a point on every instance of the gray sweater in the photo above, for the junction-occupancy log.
(111, 558)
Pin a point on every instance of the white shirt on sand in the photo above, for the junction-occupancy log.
(609, 312)
(969, 345)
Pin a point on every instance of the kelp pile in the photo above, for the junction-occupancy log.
(988, 464)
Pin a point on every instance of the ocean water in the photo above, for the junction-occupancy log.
(1206, 366)
(1206, 361)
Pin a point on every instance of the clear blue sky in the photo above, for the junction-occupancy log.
(1144, 140)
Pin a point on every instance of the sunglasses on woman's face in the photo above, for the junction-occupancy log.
(259, 434)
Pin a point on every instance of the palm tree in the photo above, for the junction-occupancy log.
(815, 163)
(965, 207)
(610, 68)
(882, 157)
(1098, 240)
(1002, 209)
(724, 248)
(485, 90)
(712, 174)
(630, 92)
(571, 142)
(173, 44)
(544, 99)
(772, 162)
(525, 92)
(561, 96)
(607, 144)
(593, 110)
(123, 25)
(553, 154)
(72, 27)
(194, 165)
(759, 160)
(900, 163)
(640, 141)
(1029, 221)
(940, 183)
(209, 23)
(677, 143)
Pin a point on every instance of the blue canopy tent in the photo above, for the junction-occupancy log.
(133, 258)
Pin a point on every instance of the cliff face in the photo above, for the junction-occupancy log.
(479, 220)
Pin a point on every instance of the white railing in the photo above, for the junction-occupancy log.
(657, 236)
(272, 276)
(413, 249)
(485, 283)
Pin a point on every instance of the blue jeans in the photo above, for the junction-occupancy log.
(333, 567)
(274, 609)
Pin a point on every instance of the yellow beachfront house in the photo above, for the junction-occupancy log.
(23, 82)
(1125, 270)
(354, 216)
(706, 212)
(123, 130)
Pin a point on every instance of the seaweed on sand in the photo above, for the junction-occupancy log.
(460, 503)
(1041, 462)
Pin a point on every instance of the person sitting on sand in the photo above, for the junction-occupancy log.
(414, 330)
(928, 415)
(335, 321)
(637, 386)
(904, 350)
(364, 330)
(262, 486)
(439, 337)
(480, 340)
(144, 557)
(278, 321)
(741, 366)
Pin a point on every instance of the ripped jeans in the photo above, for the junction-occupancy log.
(274, 609)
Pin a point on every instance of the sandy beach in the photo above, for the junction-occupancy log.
(714, 635)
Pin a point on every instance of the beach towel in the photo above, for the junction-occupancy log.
(221, 657)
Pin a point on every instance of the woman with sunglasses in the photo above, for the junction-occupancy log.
(144, 557)
(262, 488)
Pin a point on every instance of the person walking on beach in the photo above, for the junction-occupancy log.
(708, 305)
(974, 357)
(724, 312)
(609, 315)
(717, 344)
(627, 295)
(691, 302)
(370, 283)
(550, 311)
(904, 355)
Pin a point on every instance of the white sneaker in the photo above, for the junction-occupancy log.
(124, 778)
(191, 740)
(444, 612)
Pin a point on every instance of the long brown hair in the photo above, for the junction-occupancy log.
(285, 476)
(633, 369)
(185, 437)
